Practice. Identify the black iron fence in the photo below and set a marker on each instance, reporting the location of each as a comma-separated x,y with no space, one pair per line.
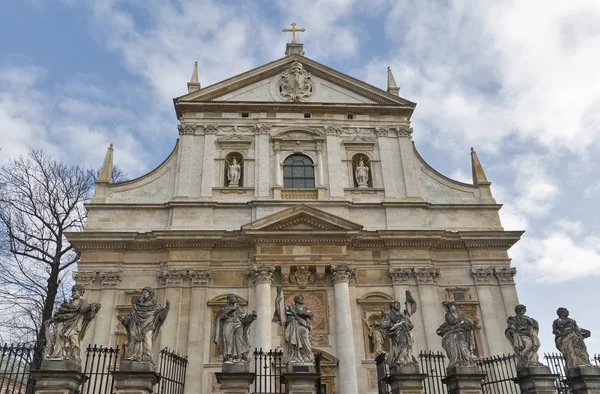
172,368
268,368
99,361
434,365
556,362
15,361
500,373
382,374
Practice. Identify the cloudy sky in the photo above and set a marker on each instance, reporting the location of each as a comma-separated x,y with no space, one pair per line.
518,80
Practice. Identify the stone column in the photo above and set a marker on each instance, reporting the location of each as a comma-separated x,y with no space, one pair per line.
537,380
262,276
387,165
319,163
431,305
277,164
341,275
409,165
105,322
406,380
135,377
464,380
184,160
336,188
58,376
402,280
172,280
208,161
494,327
263,176
505,278
585,380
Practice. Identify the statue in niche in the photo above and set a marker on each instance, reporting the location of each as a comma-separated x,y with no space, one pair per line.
70,323
143,325
377,335
233,173
569,339
399,328
295,323
230,332
458,338
362,174
522,333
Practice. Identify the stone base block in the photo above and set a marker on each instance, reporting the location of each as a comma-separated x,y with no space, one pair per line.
536,380
300,383
57,382
585,380
406,379
463,380
235,382
60,365
135,377
301,367
235,368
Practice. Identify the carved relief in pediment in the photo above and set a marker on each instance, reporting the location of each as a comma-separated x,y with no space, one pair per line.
295,84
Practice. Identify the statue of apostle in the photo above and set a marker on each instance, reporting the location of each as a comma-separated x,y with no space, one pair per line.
522,333
377,335
230,331
457,338
143,325
398,328
233,173
569,339
70,321
295,322
362,174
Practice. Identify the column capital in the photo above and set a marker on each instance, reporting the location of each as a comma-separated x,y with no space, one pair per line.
110,278
481,275
261,273
201,276
426,274
211,129
86,279
342,273
400,275
333,130
261,129
505,275
172,276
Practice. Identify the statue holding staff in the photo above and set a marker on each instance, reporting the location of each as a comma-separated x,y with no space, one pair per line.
399,328
362,174
295,322
233,173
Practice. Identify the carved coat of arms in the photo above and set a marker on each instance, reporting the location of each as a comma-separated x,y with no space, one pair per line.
295,83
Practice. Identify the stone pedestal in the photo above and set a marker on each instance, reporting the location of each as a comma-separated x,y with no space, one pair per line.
585,380
135,377
406,379
58,377
235,379
537,380
301,382
463,380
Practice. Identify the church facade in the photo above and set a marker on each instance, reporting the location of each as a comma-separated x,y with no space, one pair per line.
296,175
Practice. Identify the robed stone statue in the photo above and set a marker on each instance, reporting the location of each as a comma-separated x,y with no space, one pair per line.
569,339
230,331
70,323
362,174
377,335
522,333
399,328
143,325
233,173
457,338
295,322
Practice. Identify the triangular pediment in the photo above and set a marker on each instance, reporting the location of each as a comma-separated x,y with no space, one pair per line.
302,218
325,85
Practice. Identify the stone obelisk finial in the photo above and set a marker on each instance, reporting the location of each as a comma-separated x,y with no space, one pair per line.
194,84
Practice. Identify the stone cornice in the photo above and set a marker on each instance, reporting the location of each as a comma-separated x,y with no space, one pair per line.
342,273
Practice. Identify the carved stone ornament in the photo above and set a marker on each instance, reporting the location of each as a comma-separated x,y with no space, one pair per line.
381,132
261,129
342,273
174,276
85,279
302,277
295,84
481,275
261,274
333,130
211,129
188,128
111,278
319,339
427,274
404,132
200,277
505,275
400,275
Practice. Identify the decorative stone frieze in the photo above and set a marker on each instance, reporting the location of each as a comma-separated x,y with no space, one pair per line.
188,128
400,275
210,129
110,278
481,275
342,273
261,273
86,279
333,130
427,274
295,84
302,277
261,129
505,275
381,132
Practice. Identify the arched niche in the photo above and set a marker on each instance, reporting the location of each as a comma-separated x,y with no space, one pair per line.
230,159
366,161
371,305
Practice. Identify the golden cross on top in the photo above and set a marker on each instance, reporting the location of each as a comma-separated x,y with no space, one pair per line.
293,30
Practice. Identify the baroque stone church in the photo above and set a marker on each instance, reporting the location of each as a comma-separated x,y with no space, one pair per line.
296,175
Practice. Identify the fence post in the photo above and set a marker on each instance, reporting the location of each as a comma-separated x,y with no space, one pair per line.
463,380
406,379
58,376
537,380
584,379
135,377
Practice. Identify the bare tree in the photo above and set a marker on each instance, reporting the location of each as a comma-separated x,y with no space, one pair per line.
41,199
